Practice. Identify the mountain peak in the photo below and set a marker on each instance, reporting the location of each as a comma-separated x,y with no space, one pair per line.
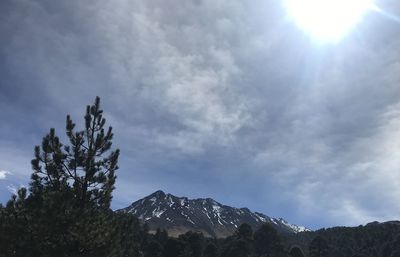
179,214
158,194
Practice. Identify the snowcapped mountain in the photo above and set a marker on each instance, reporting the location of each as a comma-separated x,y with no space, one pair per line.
179,214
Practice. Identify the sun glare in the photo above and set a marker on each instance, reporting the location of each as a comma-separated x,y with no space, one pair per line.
327,20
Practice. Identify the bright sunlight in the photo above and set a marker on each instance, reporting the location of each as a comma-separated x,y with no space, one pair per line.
327,20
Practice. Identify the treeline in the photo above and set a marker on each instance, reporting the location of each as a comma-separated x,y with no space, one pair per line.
372,240
65,211
264,242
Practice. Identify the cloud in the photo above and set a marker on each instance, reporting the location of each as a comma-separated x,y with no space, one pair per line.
4,174
12,189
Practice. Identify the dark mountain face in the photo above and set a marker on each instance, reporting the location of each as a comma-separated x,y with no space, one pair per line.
179,214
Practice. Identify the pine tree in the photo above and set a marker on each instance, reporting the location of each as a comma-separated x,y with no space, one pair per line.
80,167
194,242
245,231
126,237
161,236
237,248
267,242
211,250
73,186
67,212
153,249
173,248
319,247
240,244
15,234
296,252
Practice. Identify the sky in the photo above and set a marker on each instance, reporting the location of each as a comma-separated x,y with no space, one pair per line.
212,98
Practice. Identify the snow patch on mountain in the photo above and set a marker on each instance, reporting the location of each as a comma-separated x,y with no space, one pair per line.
214,219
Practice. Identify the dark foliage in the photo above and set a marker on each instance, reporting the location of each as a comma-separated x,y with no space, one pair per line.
267,242
173,248
66,211
211,250
373,240
296,252
319,247
194,243
237,248
153,249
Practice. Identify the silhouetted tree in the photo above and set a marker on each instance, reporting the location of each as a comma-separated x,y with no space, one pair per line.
237,248
126,236
154,249
296,252
244,231
16,233
318,247
80,167
67,210
173,248
267,242
211,250
161,236
194,243
392,249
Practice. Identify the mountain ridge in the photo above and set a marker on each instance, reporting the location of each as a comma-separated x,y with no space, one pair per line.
178,215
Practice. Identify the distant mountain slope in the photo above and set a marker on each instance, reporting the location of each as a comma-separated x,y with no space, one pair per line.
179,214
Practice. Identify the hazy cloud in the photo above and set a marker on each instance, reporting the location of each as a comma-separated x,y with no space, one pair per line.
12,189
4,174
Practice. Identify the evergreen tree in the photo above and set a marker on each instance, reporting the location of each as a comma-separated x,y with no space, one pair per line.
237,248
211,250
80,167
153,249
267,242
319,247
240,244
161,236
67,210
15,232
127,236
194,243
244,231
173,248
393,248
296,252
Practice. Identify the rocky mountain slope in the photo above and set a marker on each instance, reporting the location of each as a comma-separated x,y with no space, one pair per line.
179,214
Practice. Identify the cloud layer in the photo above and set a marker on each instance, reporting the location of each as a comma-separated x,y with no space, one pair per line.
213,98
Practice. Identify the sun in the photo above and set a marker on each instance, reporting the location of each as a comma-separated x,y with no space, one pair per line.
327,20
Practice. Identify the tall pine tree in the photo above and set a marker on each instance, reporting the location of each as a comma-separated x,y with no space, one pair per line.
81,167
67,210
